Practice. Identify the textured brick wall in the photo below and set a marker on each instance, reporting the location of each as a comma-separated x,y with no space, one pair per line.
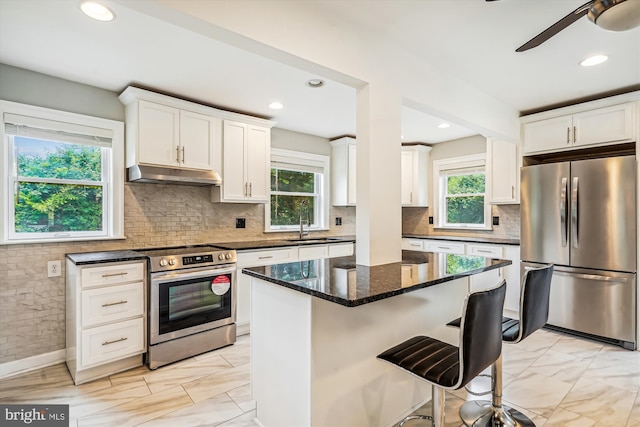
32,306
416,221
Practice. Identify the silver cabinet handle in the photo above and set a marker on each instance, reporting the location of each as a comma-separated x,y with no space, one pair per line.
122,273
109,304
265,257
444,247
250,190
568,135
415,245
575,134
410,196
484,251
574,212
183,154
245,189
178,154
513,191
563,211
115,341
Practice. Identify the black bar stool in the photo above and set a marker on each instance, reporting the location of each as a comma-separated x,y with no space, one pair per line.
534,311
449,367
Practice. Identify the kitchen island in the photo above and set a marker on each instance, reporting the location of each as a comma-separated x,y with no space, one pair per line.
318,325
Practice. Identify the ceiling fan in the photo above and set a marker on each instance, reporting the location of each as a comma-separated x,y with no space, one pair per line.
613,15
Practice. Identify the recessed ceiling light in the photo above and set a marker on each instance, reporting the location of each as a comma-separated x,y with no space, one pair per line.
276,106
97,11
315,83
593,60
444,125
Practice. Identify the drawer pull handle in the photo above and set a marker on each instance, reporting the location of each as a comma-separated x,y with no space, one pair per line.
115,341
123,273
444,247
109,304
266,257
484,251
415,245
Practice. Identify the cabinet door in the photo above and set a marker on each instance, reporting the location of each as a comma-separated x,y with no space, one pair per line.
158,134
547,135
351,191
197,135
503,172
234,185
406,170
604,125
258,163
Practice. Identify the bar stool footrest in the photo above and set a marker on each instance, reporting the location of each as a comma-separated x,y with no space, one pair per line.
415,417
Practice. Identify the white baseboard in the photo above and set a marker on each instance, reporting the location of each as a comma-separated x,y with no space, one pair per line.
15,367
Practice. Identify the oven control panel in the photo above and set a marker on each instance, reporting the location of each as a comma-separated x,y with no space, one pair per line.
197,259
188,257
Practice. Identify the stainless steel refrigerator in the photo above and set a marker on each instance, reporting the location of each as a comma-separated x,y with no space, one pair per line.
581,216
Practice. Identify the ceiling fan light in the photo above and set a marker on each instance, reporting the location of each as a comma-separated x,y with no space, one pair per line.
593,60
615,15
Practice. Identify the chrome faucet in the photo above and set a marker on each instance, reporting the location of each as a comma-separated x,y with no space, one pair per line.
302,231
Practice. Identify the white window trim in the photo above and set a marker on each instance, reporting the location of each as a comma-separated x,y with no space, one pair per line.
115,217
315,160
457,163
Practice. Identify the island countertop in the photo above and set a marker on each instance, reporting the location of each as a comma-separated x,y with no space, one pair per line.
342,281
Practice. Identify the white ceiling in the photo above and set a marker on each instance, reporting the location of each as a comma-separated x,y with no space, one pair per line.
471,39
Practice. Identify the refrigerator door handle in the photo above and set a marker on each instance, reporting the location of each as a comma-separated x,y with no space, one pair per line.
563,211
592,277
574,212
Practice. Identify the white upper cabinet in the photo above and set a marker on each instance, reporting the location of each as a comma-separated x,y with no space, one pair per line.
414,175
589,124
164,131
246,164
343,171
502,172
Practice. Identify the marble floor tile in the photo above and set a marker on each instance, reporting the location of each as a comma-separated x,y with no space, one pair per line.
633,423
605,404
539,341
578,347
137,411
242,397
536,393
635,410
185,372
51,376
560,366
209,412
221,382
244,420
564,418
131,375
515,360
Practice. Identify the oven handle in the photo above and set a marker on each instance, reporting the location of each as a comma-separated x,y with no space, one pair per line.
187,275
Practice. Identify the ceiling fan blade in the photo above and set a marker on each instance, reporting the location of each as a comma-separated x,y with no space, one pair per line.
557,27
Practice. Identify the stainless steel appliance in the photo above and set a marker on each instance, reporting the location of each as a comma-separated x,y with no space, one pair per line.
192,302
581,215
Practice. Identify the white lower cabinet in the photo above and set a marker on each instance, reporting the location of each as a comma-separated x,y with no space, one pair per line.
257,258
105,318
485,280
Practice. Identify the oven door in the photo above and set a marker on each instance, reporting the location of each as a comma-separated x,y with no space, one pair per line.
190,301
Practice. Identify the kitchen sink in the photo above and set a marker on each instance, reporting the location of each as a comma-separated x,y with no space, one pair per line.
316,240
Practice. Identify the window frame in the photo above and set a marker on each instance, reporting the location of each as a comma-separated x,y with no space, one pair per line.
302,159
440,182
113,169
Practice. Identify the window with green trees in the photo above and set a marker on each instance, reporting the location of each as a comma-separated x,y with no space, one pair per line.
65,175
298,179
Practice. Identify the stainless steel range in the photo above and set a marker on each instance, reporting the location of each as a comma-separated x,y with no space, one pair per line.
192,302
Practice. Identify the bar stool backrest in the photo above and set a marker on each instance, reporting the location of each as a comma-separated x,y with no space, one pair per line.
481,331
534,300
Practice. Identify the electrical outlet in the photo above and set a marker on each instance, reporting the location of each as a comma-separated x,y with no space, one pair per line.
496,220
241,222
54,269
338,220
431,220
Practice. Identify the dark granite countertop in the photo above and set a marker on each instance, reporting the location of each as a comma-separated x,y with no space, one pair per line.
106,256
341,281
492,240
267,244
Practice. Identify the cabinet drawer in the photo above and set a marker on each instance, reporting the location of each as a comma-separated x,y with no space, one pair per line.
412,244
274,256
446,247
112,274
345,249
485,251
112,303
313,252
112,342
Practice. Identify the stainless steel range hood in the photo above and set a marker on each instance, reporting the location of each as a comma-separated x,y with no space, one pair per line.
165,175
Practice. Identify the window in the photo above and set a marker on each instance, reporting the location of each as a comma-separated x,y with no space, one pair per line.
297,179
461,201
62,182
